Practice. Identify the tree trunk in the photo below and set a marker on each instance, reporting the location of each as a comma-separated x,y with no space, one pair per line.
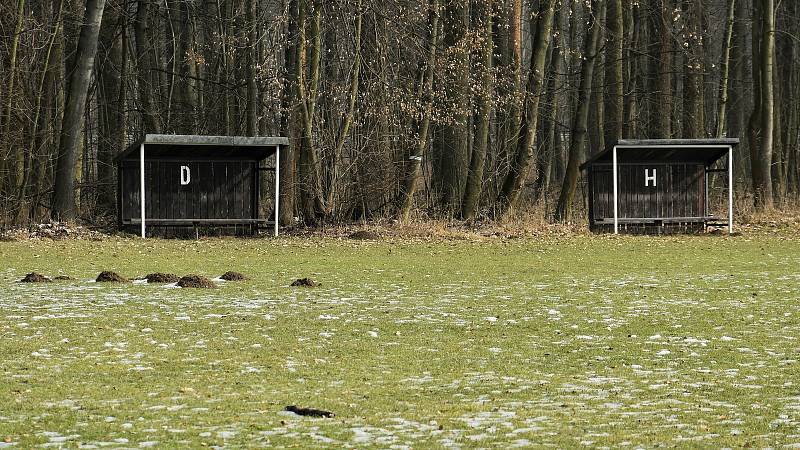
525,153
414,163
224,65
10,176
693,111
767,65
741,96
614,123
636,24
472,193
454,133
791,91
290,117
188,67
761,120
568,101
564,208
724,69
251,119
144,66
31,183
378,163
555,91
596,128
663,111
347,121
111,102
513,120
310,188
64,192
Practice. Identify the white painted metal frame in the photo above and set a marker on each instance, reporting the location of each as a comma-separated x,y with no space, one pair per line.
616,191
141,187
730,189
277,184
143,226
705,185
730,179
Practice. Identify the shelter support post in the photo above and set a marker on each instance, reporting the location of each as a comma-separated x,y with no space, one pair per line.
730,189
141,187
705,198
277,185
616,191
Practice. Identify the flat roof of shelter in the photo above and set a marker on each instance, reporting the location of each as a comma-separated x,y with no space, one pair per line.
185,145
669,150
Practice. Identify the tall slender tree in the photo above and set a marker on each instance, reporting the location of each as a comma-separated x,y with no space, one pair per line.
580,119
727,44
761,126
111,98
614,77
64,192
474,181
663,111
454,134
693,101
413,165
145,70
7,181
525,155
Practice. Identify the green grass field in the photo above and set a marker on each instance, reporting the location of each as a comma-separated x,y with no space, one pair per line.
585,341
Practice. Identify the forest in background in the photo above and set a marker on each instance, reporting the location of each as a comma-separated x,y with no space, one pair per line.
455,109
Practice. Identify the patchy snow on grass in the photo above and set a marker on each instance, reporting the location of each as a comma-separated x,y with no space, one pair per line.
531,345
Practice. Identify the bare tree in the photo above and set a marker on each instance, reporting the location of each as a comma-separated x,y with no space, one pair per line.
64,192
452,140
663,112
580,119
525,152
6,182
614,62
474,181
414,162
761,127
722,108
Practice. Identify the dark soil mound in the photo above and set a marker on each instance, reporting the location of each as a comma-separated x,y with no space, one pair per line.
364,235
305,282
111,277
233,276
310,412
159,277
63,278
195,281
34,277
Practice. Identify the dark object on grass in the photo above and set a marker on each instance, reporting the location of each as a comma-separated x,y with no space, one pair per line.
63,278
34,277
233,276
364,235
159,277
305,282
196,281
107,276
309,412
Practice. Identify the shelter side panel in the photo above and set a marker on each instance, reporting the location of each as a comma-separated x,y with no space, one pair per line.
602,192
648,191
189,190
129,191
